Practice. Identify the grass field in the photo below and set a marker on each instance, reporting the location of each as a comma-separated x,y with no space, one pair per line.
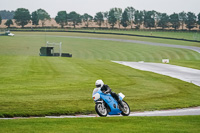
108,50
178,124
31,85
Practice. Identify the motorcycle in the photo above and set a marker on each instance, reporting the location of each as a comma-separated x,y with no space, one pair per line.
106,104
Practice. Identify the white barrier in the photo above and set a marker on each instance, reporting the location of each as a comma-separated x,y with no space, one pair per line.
165,60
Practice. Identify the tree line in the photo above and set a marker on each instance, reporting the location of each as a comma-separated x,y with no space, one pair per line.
129,17
7,14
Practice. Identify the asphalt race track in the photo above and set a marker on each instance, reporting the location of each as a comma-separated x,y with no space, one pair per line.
175,112
182,73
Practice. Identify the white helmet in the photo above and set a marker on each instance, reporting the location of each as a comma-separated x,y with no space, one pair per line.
99,83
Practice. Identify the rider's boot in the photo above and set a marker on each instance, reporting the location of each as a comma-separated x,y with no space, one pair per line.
121,104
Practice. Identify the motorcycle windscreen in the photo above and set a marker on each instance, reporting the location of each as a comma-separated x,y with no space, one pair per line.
121,96
96,96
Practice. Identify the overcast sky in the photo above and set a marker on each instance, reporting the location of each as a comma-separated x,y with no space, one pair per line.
93,6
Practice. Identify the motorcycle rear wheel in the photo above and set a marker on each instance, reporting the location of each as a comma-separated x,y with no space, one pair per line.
126,108
101,110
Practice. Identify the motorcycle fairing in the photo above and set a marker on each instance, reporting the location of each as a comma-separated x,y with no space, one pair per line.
112,103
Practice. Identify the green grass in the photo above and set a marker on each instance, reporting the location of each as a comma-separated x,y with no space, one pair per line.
177,124
31,85
30,43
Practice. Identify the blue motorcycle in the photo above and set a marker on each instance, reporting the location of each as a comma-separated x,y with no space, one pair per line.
106,104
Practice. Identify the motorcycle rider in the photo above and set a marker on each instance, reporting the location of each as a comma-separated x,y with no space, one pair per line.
106,89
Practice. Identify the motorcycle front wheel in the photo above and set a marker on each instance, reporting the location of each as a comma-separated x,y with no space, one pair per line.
126,111
101,109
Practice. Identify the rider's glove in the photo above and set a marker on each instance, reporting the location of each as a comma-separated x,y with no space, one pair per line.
106,92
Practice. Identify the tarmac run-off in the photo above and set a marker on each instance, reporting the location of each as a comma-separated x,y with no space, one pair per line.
174,112
183,73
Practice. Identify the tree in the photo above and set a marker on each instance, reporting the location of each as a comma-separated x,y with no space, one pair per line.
0,19
130,11
22,17
198,22
164,21
43,16
182,18
174,20
105,15
87,18
7,14
149,21
35,18
99,18
61,18
111,18
125,21
75,18
190,20
9,22
157,17
138,18
118,15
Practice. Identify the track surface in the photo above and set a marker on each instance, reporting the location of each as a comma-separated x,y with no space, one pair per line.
175,112
182,73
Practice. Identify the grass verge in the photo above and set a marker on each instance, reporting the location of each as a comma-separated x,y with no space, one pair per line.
176,124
